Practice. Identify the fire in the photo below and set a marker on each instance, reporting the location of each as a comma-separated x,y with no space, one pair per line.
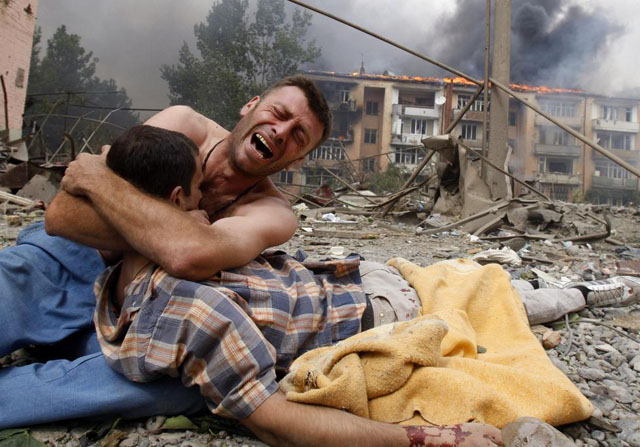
541,89
458,80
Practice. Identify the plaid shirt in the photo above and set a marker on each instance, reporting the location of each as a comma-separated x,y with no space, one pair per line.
229,334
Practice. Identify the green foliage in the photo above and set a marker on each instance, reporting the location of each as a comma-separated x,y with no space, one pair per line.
388,181
18,437
237,58
67,68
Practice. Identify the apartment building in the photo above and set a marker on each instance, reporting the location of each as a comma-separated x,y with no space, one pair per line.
380,120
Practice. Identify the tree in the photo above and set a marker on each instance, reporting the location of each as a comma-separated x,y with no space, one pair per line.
64,79
238,59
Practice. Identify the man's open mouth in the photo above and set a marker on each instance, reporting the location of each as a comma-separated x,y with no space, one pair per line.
261,146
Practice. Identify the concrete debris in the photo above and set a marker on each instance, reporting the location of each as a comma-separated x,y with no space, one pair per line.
504,256
41,187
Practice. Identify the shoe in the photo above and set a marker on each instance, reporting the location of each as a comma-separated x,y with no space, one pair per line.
618,291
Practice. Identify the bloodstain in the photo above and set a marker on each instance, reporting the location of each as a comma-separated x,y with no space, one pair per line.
418,437
461,435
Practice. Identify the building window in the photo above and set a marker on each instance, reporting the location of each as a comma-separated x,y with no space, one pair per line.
426,101
406,156
616,113
286,177
560,193
327,151
609,169
463,100
419,127
560,109
372,108
512,118
371,136
468,132
554,136
369,165
20,78
318,176
560,165
344,95
477,106
615,140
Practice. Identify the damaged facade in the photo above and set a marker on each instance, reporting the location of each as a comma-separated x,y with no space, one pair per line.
380,120
17,23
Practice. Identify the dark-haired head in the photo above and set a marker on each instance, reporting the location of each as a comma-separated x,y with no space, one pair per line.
154,160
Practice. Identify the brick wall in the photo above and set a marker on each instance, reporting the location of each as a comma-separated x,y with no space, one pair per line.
17,23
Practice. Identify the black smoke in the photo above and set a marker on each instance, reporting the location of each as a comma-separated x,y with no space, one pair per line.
553,42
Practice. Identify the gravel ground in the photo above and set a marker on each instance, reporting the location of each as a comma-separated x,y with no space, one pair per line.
600,353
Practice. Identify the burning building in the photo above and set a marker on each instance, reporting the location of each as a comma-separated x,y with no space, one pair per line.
380,120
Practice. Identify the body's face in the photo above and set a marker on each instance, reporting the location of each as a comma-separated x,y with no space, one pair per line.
274,132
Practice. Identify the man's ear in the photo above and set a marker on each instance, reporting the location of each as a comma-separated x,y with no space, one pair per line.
176,196
250,105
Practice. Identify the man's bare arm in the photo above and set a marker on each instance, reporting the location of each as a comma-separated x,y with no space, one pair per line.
284,423
184,246
75,218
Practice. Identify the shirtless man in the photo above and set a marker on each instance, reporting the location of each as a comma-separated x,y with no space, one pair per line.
248,214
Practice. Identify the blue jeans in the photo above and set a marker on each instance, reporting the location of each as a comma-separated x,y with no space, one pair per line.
46,299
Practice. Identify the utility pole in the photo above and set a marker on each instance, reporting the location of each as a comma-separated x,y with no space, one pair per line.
499,114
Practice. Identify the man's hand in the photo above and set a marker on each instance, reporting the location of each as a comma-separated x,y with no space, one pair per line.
83,173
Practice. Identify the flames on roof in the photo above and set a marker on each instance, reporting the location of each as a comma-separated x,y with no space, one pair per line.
457,81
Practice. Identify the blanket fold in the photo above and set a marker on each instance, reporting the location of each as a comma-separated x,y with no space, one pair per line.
470,357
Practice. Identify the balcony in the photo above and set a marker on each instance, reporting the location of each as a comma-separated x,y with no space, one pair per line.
417,111
617,183
556,178
615,125
556,150
624,154
471,115
410,139
571,121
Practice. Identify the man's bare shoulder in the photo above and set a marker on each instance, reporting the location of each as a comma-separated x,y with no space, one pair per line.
203,131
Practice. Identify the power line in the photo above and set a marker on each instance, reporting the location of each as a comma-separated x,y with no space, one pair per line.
120,108
76,93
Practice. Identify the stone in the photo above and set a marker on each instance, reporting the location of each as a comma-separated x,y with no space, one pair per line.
49,433
551,339
132,440
633,440
591,374
604,403
596,434
155,423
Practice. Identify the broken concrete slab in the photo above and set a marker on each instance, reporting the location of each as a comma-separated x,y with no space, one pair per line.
42,187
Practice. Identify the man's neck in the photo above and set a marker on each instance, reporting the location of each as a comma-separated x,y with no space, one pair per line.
222,182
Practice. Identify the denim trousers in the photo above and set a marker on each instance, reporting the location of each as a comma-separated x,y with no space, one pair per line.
47,300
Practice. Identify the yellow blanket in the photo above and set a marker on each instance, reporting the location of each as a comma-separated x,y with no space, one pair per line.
429,371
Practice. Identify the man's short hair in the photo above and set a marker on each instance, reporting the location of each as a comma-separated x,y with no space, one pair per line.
154,160
315,99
